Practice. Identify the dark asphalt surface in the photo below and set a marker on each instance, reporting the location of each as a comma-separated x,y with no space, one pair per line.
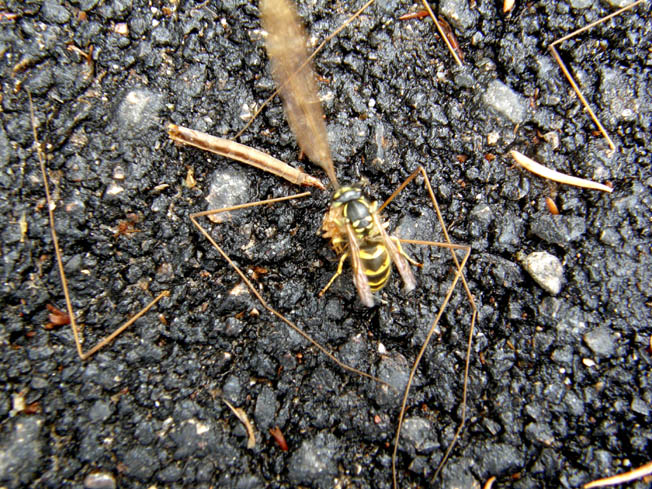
560,385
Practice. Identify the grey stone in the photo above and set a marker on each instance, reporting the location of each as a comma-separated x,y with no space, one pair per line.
639,406
100,480
55,12
100,411
540,433
558,229
505,102
601,342
581,4
141,463
459,14
20,451
315,462
266,406
545,269
417,435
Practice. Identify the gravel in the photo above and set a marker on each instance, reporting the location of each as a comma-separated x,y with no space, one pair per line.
559,389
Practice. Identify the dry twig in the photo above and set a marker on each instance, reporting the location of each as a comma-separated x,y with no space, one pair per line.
538,169
632,475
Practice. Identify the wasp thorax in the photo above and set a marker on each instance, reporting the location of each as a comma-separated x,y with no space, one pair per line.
355,208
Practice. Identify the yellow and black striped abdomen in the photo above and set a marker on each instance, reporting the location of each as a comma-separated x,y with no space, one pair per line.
376,264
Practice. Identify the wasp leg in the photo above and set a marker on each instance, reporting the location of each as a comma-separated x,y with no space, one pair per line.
335,275
397,242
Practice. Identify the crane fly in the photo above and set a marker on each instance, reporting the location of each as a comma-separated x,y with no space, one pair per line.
353,223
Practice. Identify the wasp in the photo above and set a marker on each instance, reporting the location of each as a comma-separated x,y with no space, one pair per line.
355,229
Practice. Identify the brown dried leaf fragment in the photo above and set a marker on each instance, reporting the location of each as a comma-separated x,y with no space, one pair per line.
244,419
277,434
414,15
56,317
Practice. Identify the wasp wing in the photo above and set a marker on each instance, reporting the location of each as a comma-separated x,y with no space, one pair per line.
399,260
286,47
359,277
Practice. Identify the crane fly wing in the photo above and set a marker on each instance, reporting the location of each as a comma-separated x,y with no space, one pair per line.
359,277
398,259
286,47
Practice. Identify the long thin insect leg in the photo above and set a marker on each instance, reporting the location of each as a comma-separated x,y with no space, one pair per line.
422,171
569,77
459,276
62,274
252,289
